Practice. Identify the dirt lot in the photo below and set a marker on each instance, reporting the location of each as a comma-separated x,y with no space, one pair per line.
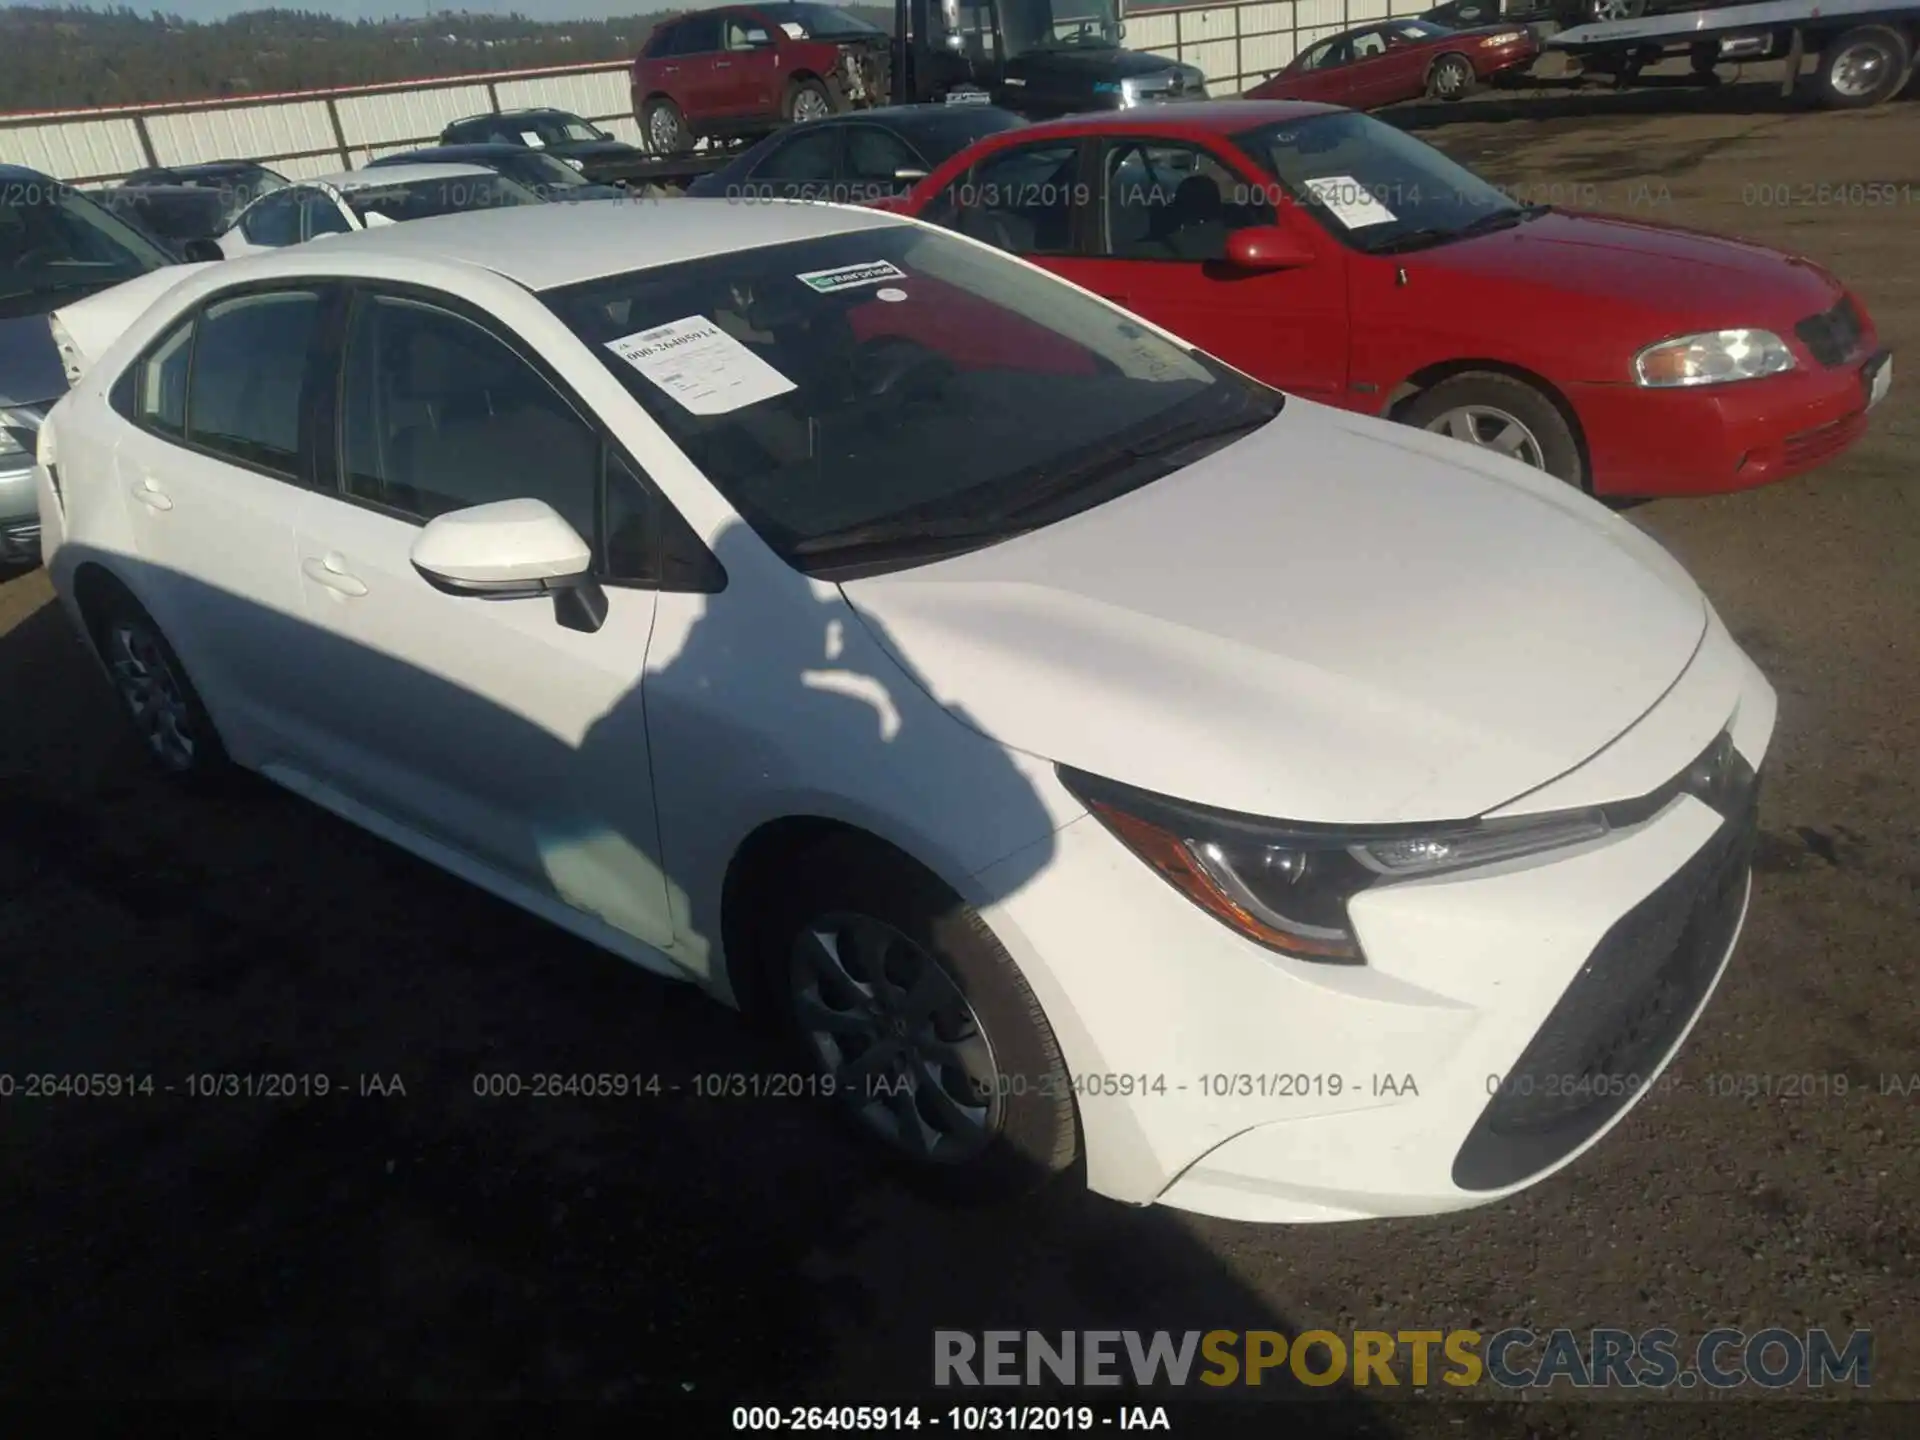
434,1244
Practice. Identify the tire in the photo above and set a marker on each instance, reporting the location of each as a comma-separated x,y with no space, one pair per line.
806,100
854,899
1483,403
664,128
1451,78
1865,66
166,712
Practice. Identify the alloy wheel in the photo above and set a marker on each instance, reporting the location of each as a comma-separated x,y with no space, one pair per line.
903,1046
1858,70
1450,78
153,693
810,105
1491,429
663,129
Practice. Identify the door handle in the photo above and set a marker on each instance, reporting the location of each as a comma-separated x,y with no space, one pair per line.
331,572
723,64
149,493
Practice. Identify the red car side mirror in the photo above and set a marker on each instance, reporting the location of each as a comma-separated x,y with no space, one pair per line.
1267,247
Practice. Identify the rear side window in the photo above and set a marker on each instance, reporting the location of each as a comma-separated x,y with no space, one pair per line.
160,385
249,372
698,35
662,42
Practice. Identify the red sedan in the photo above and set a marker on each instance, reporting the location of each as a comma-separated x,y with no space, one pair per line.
1338,258
1399,60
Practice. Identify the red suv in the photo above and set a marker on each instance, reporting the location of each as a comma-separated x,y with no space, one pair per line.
748,69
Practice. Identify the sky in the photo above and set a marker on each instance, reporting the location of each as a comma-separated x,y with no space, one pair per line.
383,9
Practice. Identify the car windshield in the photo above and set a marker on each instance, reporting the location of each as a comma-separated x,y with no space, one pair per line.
880,398
54,240
1376,188
1030,25
819,22
420,199
563,130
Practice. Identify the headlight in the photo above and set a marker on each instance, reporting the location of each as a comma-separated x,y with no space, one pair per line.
1129,93
1505,37
1715,357
1287,887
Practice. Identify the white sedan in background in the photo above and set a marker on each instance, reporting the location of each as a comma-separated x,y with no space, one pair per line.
364,199
1087,752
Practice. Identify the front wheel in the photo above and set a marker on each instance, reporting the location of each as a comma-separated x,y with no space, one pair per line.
1503,415
1451,78
1866,65
937,1050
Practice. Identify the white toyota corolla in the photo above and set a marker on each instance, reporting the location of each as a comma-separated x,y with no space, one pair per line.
1093,756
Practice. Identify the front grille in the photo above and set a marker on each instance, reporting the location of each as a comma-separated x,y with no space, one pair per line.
1621,1015
1832,335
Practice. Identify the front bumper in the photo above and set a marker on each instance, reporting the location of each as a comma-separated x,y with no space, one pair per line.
1721,438
1217,1077
19,518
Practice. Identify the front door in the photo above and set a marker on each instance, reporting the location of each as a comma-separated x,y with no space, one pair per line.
1163,213
484,725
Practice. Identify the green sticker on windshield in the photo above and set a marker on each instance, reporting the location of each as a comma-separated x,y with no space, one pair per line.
851,277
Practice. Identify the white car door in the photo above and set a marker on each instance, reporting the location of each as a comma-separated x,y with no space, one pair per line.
482,724
212,467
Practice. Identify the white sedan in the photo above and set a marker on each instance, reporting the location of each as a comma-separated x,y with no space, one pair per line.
366,199
1089,753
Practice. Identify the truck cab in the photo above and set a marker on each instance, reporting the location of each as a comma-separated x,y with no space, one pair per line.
1038,58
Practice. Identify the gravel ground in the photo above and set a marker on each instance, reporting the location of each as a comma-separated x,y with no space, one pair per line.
427,1243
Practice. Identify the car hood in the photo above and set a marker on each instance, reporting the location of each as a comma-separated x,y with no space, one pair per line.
1333,620
1683,274
30,369
1089,63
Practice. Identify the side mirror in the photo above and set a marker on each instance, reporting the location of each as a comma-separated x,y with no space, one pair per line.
513,550
1267,247
908,175
198,252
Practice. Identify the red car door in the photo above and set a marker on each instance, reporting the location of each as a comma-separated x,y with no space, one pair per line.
749,67
1161,211
1319,75
1403,69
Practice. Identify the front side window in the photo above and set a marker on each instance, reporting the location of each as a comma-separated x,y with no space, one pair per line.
1174,202
320,215
804,161
1375,188
1023,199
746,33
1368,45
876,157
275,221
438,414
559,129
1325,56
249,374
878,397
53,240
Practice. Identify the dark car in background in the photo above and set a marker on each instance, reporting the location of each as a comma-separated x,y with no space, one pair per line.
543,173
175,216
578,144
241,182
747,69
856,158
56,246
1395,60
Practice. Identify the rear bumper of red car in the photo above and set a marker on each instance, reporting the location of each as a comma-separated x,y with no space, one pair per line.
1721,438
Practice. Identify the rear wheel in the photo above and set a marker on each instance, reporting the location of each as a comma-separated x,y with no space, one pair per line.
1451,78
1866,65
166,711
939,1053
666,128
807,100
1506,416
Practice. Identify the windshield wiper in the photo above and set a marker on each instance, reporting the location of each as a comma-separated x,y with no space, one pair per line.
898,529
1485,225
1123,462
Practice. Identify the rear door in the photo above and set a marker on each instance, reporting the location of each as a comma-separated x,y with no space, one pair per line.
698,84
213,466
804,165
1165,210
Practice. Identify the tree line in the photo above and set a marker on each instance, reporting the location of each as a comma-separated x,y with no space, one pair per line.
70,58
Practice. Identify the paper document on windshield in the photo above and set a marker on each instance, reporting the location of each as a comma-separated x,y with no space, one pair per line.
1350,202
794,32
532,137
701,366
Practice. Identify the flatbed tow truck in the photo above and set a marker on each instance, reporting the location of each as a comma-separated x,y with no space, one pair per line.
1864,49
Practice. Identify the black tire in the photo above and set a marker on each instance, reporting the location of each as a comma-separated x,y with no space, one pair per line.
809,96
1865,66
1551,435
1704,58
664,128
127,639
1031,1132
1451,78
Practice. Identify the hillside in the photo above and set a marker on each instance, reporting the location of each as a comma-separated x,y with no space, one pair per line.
60,58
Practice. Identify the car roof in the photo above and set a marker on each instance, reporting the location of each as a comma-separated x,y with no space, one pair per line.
440,154
1184,117
20,172
544,247
348,180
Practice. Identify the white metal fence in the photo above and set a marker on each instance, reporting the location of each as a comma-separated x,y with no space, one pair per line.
313,132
